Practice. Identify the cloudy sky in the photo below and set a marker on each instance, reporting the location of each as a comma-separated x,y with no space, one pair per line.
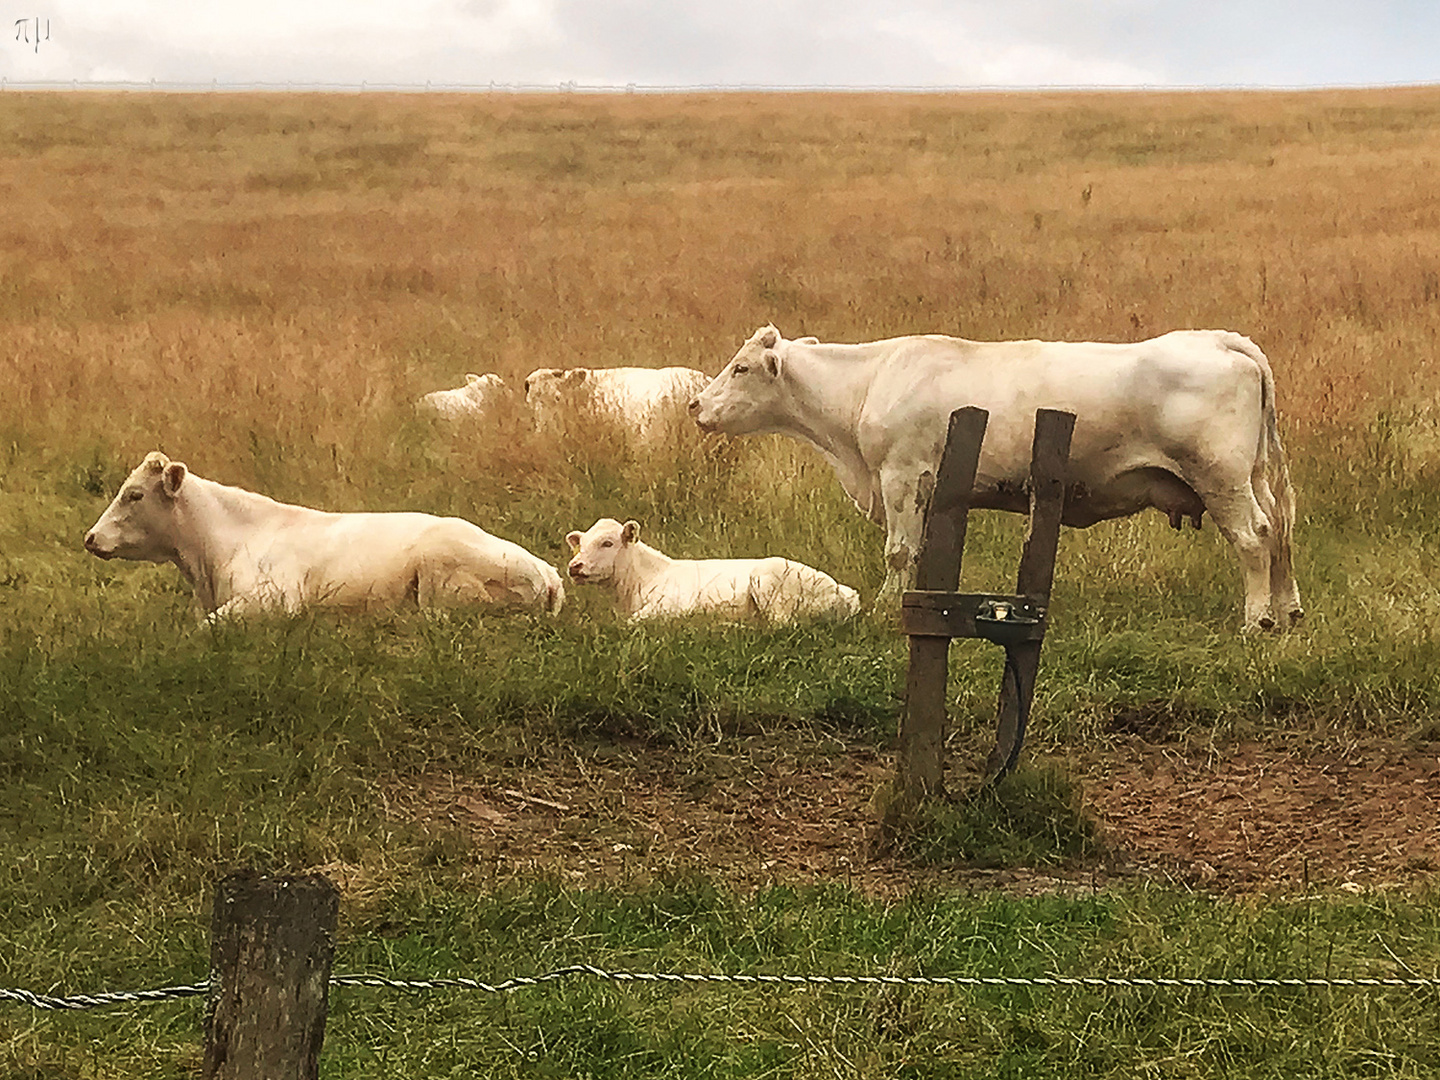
918,43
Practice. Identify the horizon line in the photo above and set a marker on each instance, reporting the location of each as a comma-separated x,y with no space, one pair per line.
574,87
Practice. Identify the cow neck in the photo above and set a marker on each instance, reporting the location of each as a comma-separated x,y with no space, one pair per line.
213,519
644,564
828,385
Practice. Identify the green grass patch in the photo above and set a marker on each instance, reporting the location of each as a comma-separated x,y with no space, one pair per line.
1031,817
425,927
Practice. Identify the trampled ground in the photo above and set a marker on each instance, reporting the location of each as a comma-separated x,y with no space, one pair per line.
1247,817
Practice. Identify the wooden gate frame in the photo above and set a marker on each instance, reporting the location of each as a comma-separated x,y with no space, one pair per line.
933,612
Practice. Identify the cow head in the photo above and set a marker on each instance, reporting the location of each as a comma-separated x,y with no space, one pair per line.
541,379
598,548
744,398
482,389
549,382
139,523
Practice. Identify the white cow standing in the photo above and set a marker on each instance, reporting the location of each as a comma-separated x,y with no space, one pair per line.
649,584
641,399
244,552
478,397
1184,423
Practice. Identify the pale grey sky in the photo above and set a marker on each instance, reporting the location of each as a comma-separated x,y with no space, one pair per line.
728,42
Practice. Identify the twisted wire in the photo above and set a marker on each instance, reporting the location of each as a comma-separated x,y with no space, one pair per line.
518,982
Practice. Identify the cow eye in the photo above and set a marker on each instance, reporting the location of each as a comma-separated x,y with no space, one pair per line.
134,495
607,543
741,369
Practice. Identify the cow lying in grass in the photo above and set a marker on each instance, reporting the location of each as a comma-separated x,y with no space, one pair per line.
244,552
650,585
641,400
480,395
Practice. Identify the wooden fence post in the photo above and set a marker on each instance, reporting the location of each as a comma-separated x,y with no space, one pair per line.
1048,460
272,941
937,568
933,612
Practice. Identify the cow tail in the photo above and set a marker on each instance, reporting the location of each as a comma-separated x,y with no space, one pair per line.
1275,458
1271,463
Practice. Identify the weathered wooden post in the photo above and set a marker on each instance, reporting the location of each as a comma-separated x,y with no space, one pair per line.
937,570
933,613
1048,458
272,942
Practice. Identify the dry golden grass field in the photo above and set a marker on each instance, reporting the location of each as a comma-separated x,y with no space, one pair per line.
202,272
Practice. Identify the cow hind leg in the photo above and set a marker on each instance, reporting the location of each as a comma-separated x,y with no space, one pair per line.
1284,592
1243,522
443,584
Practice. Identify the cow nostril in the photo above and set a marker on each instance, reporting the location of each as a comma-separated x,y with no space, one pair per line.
694,406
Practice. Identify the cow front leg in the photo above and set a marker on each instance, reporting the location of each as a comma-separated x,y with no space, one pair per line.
244,604
906,501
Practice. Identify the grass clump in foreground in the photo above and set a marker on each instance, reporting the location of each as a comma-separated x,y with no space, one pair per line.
427,925
1031,817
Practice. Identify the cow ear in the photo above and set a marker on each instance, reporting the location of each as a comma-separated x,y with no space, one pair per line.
573,539
472,378
769,337
772,364
630,531
172,477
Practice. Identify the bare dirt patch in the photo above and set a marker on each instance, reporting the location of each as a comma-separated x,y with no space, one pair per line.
1251,816
1262,815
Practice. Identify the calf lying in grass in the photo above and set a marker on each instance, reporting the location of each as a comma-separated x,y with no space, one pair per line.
244,552
649,584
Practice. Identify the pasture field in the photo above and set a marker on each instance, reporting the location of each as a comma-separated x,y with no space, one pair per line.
261,285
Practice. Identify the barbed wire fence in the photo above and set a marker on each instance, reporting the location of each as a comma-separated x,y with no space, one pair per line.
272,949
76,1002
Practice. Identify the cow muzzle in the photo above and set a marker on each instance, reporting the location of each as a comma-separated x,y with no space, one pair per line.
92,545
704,424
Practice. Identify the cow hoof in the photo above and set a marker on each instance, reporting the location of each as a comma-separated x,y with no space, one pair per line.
1296,616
